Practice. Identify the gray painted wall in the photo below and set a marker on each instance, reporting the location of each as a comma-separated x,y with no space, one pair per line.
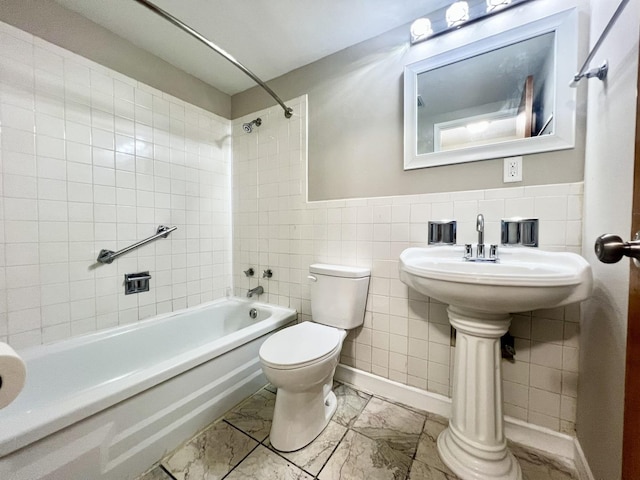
356,122
56,24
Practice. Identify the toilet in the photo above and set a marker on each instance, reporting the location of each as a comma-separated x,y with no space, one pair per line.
301,360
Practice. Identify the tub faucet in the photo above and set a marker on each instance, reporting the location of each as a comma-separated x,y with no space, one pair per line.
480,230
255,291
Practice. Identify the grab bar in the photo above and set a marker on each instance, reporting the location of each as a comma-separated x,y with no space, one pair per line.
600,72
288,111
108,256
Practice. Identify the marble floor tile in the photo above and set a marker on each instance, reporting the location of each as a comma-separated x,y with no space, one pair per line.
350,404
312,457
254,415
422,471
368,439
210,455
399,427
537,465
358,457
264,464
427,451
156,474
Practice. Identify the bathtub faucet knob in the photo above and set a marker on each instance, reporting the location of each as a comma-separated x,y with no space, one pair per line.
249,272
255,291
267,273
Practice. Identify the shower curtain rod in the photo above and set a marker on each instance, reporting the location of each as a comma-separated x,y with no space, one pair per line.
288,111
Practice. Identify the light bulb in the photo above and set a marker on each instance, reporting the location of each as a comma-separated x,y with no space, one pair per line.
420,29
457,14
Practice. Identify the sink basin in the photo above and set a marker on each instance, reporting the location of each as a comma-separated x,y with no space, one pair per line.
522,279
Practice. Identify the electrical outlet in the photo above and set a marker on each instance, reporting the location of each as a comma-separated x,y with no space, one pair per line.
512,169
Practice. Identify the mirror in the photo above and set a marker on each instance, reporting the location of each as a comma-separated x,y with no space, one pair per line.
503,95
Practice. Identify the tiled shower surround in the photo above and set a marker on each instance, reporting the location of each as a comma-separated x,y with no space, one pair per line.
92,159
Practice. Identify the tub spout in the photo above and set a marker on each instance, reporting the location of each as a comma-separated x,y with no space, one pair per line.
255,291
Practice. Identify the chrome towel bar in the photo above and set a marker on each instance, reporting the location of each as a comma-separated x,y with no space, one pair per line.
601,71
108,256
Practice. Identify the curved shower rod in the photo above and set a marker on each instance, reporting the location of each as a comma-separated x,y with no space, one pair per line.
288,111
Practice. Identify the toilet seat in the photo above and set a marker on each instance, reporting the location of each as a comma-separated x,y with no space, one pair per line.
301,345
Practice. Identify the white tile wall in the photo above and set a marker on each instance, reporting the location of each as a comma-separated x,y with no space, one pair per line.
405,336
91,159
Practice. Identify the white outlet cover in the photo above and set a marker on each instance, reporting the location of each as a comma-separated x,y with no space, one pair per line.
512,169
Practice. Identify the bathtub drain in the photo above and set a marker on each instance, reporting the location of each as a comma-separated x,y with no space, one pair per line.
253,313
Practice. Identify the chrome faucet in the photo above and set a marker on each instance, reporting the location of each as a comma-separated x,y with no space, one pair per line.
255,291
480,230
480,252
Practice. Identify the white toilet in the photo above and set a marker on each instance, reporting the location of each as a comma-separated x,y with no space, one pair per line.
301,360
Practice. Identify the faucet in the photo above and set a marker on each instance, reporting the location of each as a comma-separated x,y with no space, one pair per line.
480,230
255,291
480,254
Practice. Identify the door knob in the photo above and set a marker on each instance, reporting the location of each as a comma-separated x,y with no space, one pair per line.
610,248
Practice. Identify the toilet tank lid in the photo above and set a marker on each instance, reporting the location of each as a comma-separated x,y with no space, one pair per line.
339,270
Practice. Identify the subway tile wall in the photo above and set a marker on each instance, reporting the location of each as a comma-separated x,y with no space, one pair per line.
91,159
405,336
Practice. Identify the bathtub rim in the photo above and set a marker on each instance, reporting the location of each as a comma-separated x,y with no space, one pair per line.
27,427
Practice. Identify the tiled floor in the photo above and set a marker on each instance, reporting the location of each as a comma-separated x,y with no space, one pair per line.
368,438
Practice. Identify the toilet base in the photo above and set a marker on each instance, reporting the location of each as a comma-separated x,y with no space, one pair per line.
299,417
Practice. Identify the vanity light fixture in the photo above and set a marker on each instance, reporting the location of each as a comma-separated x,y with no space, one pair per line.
420,29
496,4
456,15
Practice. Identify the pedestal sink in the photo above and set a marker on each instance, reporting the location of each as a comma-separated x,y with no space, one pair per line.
481,296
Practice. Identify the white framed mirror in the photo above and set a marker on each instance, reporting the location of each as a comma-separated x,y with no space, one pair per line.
499,96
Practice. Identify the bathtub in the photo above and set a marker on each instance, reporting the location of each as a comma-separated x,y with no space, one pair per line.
110,404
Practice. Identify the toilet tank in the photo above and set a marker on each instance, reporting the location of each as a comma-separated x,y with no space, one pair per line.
338,294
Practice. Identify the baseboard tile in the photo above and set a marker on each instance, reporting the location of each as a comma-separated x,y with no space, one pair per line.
524,433
398,392
540,438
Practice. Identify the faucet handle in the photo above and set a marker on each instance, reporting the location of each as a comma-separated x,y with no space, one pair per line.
493,251
249,272
268,273
467,251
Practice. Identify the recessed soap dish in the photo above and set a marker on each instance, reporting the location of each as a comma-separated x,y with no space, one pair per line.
519,231
442,232
136,282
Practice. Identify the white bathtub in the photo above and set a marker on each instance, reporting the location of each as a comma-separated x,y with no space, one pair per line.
110,404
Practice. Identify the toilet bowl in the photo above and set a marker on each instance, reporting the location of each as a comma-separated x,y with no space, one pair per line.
301,360
304,402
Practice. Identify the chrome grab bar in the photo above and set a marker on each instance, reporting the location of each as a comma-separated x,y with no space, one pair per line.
108,256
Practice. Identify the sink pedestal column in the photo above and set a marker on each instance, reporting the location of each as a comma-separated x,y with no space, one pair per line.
474,445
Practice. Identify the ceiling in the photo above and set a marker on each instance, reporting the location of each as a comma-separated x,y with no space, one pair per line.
270,37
